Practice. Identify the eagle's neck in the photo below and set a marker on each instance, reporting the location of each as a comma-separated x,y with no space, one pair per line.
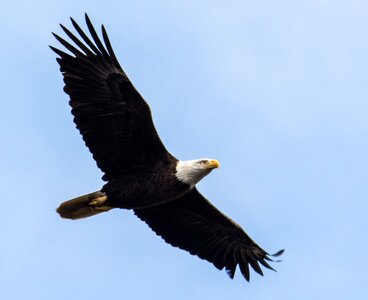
188,172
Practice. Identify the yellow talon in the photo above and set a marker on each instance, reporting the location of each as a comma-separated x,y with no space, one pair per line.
99,201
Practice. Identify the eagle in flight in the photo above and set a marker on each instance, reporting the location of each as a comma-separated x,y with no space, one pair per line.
116,125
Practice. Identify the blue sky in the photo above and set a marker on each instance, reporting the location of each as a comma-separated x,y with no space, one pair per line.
277,91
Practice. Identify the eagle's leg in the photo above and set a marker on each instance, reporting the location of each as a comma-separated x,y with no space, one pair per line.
99,203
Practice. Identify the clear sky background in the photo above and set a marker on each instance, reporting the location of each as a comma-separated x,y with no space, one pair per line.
275,90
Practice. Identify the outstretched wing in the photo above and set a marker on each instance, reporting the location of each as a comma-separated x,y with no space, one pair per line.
113,118
193,224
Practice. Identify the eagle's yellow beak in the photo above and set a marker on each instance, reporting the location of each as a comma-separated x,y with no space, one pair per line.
213,164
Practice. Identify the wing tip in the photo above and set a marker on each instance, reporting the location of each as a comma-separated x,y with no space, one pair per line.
278,253
230,272
88,20
72,20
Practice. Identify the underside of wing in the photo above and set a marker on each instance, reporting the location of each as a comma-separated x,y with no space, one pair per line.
113,118
193,224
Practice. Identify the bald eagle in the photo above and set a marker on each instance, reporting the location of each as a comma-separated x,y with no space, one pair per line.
141,175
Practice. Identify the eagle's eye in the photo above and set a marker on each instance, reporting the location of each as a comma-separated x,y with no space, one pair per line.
203,162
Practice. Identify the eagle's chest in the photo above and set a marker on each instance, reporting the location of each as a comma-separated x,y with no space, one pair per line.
145,189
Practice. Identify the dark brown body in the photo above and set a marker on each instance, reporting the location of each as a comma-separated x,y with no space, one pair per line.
145,188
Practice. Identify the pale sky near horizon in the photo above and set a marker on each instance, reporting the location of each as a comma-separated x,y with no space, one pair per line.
276,91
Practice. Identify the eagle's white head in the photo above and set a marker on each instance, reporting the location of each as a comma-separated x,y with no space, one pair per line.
192,171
